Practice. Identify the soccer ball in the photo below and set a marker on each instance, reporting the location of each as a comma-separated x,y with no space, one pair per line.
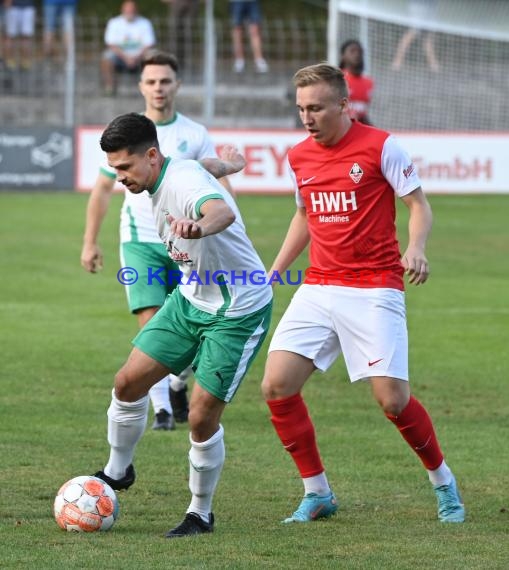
85,504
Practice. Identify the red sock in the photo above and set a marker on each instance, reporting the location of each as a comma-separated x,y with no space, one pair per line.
295,430
416,427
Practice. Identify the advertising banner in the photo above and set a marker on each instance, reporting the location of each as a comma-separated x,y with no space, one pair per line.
447,163
36,158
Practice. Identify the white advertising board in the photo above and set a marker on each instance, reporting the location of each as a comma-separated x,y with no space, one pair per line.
447,163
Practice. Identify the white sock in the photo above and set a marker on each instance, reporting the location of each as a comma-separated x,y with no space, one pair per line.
317,484
440,476
176,383
126,424
160,395
179,382
205,464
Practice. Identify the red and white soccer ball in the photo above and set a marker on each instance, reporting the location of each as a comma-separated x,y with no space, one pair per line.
85,504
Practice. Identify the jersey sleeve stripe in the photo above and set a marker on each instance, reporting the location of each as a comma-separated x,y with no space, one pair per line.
204,199
107,173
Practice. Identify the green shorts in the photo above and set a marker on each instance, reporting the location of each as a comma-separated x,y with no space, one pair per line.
151,287
220,349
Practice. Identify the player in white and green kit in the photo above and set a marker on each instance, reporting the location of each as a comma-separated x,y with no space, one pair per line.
216,319
141,247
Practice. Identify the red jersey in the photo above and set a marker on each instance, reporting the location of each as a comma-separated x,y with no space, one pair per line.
348,192
360,88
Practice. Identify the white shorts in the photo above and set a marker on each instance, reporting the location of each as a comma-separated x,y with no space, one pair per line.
20,21
368,326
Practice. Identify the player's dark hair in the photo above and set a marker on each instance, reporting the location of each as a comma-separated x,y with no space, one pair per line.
359,68
158,57
132,132
322,73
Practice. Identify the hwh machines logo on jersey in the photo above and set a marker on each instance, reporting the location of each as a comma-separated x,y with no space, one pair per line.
333,201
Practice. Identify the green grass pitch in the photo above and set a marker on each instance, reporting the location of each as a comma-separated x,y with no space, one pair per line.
64,333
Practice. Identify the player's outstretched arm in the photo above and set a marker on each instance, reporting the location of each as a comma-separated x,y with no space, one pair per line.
229,153
230,162
228,187
294,243
419,226
216,217
98,203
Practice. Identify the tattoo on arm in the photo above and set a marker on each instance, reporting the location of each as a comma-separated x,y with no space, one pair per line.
231,163
215,166
221,170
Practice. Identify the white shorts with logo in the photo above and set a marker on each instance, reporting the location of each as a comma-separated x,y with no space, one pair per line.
367,326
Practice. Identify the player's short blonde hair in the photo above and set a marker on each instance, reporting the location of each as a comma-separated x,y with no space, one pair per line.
322,73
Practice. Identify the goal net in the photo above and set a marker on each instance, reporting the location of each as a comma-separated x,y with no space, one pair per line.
438,65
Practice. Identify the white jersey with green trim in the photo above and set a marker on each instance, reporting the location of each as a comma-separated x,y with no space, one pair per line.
180,138
221,273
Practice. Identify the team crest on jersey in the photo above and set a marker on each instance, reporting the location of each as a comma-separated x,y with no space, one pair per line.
356,173
183,146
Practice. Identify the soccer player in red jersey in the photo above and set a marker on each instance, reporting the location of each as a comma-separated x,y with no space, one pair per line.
346,175
360,86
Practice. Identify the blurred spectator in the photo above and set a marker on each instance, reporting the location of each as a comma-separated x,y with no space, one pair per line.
58,13
127,37
420,11
247,11
19,33
360,86
183,13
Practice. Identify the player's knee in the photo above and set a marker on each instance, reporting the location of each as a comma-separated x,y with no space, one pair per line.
123,388
202,426
393,404
266,388
274,386
195,420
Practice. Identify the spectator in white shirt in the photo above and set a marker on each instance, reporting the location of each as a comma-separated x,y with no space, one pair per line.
127,37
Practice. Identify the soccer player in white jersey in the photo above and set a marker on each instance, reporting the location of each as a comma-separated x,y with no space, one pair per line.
216,319
140,246
346,176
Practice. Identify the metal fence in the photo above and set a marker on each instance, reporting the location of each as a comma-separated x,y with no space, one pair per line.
468,94
36,96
